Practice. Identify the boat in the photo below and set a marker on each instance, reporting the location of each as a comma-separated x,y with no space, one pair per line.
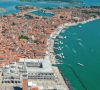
74,51
81,44
80,26
79,39
61,42
63,31
65,37
56,43
80,64
63,57
66,46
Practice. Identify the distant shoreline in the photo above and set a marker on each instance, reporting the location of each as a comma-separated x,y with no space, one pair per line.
55,29
2,10
70,1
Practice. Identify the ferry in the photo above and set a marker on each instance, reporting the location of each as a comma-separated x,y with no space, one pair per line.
80,64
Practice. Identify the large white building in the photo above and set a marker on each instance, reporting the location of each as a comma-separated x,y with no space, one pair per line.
36,69
34,73
37,72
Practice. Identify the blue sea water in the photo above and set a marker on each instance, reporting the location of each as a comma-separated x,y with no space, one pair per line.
91,2
10,4
44,14
82,45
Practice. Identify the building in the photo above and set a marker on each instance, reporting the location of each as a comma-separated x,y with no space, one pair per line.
35,74
36,69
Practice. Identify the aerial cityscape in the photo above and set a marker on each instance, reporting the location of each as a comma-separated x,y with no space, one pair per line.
49,44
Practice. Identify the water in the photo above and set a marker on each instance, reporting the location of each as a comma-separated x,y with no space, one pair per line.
17,88
91,2
86,53
82,45
41,13
9,5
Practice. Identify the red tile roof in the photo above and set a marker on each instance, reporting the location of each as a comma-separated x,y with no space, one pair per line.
25,84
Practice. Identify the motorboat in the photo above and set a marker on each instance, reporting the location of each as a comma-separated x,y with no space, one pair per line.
80,64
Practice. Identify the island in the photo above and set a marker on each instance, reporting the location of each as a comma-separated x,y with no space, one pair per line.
2,10
27,45
25,7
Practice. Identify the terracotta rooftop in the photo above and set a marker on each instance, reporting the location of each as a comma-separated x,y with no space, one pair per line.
25,84
35,88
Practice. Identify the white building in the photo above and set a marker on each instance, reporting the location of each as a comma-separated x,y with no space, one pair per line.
37,72
36,69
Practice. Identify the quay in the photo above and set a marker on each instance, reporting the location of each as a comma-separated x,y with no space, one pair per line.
66,80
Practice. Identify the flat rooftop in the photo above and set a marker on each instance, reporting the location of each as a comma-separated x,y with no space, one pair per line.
37,65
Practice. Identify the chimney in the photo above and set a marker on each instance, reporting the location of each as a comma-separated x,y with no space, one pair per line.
25,84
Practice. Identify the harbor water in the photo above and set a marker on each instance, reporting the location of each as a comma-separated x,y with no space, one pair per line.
43,13
9,5
81,50
80,46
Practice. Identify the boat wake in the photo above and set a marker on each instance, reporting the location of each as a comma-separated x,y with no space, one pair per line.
79,39
74,51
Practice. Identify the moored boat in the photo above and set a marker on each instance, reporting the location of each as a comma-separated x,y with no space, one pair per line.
80,64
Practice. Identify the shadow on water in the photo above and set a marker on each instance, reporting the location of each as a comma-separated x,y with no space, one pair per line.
77,76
